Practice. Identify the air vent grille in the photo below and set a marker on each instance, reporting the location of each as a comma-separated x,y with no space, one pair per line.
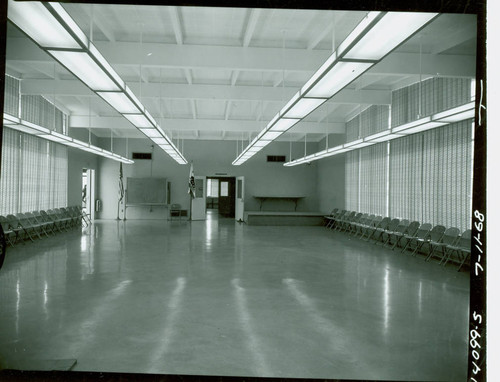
276,158
147,156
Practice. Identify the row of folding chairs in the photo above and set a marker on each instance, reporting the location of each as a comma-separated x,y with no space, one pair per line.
446,244
29,226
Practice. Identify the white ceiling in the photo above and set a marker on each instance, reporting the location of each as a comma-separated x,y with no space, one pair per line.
223,73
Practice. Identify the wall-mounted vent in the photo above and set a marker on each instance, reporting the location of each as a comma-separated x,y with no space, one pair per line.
147,156
276,158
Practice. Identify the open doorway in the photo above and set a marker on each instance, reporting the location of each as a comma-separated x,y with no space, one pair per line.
88,177
221,195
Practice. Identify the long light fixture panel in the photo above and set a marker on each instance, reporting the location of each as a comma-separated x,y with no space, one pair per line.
303,107
86,69
40,25
120,102
387,34
339,76
52,28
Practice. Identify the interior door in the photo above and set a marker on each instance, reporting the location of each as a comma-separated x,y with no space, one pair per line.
199,203
240,198
227,196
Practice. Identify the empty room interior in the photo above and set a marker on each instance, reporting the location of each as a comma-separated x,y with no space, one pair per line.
249,192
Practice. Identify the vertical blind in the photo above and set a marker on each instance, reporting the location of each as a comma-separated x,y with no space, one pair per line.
33,175
428,97
370,121
36,109
373,179
427,176
11,96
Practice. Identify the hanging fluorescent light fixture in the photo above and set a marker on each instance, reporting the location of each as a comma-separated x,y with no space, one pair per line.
378,34
52,28
456,114
50,135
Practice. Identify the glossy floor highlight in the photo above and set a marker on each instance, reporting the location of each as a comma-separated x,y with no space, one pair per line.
217,297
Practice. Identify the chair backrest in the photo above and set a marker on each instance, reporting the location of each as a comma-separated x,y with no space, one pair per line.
402,226
357,217
437,232
465,240
334,211
376,221
350,216
4,223
450,236
175,207
423,230
369,220
361,218
413,228
393,224
14,221
384,223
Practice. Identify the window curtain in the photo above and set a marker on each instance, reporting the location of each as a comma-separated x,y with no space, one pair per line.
430,176
373,179
352,180
11,96
33,175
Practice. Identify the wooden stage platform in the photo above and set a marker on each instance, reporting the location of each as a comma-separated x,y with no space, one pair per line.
290,218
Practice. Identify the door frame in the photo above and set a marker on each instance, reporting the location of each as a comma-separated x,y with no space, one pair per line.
199,203
239,203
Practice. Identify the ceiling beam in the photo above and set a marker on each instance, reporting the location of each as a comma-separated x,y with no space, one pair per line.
193,108
249,58
250,29
203,125
176,24
229,104
96,20
319,37
189,76
203,92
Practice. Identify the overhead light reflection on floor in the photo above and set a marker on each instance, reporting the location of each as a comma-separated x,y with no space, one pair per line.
174,308
252,342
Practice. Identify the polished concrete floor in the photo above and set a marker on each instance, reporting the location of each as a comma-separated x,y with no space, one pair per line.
217,297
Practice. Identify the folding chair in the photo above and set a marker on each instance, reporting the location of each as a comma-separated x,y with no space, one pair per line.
362,224
385,225
392,231
378,227
45,226
449,237
10,234
49,222
420,234
333,219
353,226
85,217
410,232
462,248
370,226
435,235
65,219
58,224
327,217
344,221
37,227
16,224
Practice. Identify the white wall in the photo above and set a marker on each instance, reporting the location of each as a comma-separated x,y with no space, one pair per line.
209,158
331,179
